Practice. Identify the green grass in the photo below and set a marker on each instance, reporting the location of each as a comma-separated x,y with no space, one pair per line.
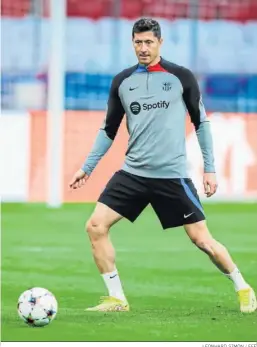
175,292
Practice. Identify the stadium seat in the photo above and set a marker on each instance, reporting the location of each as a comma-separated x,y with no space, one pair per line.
236,10
131,9
15,8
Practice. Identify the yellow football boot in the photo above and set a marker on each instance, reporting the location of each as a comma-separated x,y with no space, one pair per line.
247,299
110,304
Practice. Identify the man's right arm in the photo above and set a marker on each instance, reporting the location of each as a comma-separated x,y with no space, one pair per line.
108,131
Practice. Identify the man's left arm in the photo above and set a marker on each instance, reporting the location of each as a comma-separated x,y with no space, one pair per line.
195,107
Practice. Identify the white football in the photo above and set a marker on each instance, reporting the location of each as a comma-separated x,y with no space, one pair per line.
37,307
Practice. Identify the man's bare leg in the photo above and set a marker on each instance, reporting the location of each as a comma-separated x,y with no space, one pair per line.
103,251
201,237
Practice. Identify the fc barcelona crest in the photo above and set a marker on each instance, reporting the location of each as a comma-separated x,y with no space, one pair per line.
167,86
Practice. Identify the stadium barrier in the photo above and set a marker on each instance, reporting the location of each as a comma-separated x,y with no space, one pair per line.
23,149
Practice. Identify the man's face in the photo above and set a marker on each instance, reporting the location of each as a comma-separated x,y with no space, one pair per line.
147,47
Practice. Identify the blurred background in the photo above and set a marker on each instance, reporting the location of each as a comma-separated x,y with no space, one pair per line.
216,39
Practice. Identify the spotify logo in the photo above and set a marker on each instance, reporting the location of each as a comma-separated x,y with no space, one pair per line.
135,107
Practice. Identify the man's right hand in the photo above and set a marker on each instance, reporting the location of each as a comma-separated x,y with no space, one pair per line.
78,179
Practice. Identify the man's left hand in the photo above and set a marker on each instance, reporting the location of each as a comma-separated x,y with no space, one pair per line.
210,183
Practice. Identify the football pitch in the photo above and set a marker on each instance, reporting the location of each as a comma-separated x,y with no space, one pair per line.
175,292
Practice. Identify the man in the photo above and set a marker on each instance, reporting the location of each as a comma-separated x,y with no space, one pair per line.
155,95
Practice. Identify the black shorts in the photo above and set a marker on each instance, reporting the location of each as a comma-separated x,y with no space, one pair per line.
175,201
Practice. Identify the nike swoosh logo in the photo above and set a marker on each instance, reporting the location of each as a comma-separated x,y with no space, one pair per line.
188,215
113,276
132,88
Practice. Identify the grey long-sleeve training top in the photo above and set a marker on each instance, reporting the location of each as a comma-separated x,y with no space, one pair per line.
156,100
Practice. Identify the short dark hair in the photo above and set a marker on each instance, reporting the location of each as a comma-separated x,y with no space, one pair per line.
147,24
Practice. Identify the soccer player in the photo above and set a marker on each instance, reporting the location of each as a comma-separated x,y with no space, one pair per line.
155,95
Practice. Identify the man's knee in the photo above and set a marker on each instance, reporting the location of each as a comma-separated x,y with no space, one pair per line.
204,244
201,237
95,229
